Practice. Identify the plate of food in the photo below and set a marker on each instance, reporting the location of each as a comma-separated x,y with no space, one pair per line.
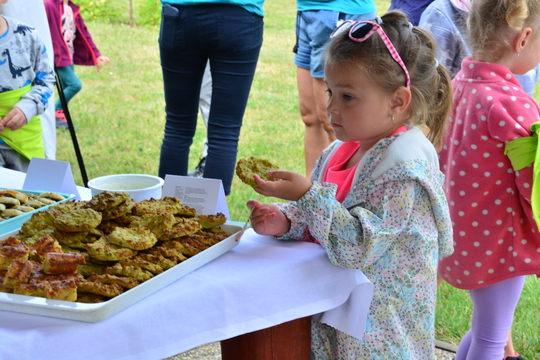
17,206
87,260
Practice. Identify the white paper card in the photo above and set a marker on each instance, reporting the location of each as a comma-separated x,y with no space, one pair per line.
50,175
204,195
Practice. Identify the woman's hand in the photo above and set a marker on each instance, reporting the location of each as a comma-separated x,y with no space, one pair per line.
267,219
291,187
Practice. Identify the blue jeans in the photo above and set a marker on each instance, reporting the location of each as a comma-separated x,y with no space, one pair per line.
231,38
71,84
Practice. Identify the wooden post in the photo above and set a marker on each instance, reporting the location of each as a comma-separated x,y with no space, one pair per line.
288,341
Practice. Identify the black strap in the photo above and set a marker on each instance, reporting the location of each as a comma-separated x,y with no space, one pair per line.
71,129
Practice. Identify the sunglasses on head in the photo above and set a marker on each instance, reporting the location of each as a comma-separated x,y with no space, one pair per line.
359,31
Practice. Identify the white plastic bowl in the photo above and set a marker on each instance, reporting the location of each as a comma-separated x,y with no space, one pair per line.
139,186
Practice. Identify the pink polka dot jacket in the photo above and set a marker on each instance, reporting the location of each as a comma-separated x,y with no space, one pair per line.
495,235
394,225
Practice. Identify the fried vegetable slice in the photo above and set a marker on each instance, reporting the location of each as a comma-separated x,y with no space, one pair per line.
130,271
105,251
137,238
182,227
118,210
157,223
107,200
210,221
78,220
246,168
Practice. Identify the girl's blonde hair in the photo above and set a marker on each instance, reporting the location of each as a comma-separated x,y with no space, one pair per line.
431,90
493,24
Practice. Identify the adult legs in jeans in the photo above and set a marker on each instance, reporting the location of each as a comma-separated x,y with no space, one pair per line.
71,84
230,37
493,313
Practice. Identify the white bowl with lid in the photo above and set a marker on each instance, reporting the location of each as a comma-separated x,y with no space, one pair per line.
139,186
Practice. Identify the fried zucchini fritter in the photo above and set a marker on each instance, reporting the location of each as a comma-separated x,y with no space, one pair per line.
210,221
137,238
157,259
168,204
182,227
125,282
118,210
143,264
129,271
69,238
105,251
246,168
107,200
90,298
39,221
99,288
157,222
78,220
91,268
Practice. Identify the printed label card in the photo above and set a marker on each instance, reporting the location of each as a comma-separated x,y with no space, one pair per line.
50,175
204,195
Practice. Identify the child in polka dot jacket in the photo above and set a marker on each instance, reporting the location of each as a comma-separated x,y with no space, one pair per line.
375,200
496,239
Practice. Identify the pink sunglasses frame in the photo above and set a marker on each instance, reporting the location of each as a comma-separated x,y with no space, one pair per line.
355,25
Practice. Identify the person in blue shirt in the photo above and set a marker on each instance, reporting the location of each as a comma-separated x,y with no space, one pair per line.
412,8
229,35
315,21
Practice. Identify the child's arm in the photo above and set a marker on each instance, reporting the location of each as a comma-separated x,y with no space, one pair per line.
368,230
267,219
36,100
291,187
14,119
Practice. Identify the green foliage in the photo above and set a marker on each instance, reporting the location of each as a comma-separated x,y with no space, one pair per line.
100,10
136,12
149,12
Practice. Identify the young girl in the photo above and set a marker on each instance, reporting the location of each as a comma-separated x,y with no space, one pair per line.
375,202
26,84
496,238
73,45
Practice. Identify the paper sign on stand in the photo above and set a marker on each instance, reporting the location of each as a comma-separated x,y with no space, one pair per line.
204,195
50,175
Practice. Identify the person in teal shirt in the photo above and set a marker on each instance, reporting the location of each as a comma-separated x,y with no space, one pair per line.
228,34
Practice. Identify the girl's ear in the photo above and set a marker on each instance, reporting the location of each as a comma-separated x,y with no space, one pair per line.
521,40
401,99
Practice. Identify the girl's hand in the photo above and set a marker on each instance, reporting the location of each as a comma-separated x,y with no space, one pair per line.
267,219
291,187
15,119
102,60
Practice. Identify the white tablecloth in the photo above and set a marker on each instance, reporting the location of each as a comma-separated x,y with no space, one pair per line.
260,283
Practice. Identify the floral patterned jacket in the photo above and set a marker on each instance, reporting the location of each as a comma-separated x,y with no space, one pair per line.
394,226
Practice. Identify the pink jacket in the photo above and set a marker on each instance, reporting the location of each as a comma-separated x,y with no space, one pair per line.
86,52
495,235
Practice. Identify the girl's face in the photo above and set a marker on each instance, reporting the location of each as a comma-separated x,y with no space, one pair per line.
357,109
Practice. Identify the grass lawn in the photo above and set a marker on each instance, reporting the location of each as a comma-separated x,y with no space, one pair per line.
119,119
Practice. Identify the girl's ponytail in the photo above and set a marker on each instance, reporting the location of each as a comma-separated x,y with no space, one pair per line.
441,108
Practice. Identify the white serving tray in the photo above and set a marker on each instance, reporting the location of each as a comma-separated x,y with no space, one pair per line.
100,311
